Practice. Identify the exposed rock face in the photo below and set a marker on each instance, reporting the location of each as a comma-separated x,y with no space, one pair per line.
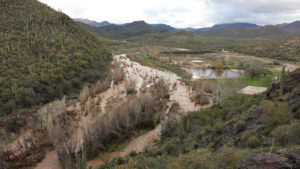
293,157
292,82
264,161
288,160
31,159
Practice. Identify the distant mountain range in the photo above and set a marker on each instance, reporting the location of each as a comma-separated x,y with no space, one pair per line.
227,30
222,27
92,23
164,26
268,31
124,31
291,27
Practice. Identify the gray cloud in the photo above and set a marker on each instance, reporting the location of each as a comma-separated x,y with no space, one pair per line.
182,13
255,11
165,15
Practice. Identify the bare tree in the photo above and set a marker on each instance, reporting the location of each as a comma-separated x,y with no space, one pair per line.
224,89
162,87
118,73
201,99
154,53
84,94
65,148
1,157
130,86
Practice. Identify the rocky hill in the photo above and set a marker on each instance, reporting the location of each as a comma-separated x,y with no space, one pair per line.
44,55
124,31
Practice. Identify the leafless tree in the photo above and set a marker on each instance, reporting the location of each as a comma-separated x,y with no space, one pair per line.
1,157
224,89
118,73
162,87
84,94
65,148
130,86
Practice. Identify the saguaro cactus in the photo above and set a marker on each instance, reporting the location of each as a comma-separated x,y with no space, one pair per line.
184,123
282,81
81,158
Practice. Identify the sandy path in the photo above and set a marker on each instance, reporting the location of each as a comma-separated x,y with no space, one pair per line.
50,161
136,145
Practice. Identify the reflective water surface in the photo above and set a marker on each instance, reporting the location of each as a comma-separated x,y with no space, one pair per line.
199,73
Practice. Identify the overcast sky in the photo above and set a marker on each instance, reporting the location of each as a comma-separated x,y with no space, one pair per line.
182,13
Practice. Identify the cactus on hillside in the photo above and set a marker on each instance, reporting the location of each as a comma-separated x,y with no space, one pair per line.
282,81
184,123
81,158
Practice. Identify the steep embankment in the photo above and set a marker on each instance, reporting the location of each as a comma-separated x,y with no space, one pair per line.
145,77
44,55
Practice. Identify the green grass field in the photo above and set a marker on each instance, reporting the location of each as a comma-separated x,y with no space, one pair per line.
262,81
148,59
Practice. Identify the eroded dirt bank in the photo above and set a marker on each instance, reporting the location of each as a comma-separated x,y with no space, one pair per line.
145,77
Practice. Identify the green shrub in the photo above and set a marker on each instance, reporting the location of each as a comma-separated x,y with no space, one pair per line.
219,127
118,161
132,153
250,139
227,158
200,159
202,99
239,126
152,151
169,147
287,134
253,72
275,114
9,107
246,135
253,142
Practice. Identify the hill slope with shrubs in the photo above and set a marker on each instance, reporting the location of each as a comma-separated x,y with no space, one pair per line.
243,132
125,31
44,55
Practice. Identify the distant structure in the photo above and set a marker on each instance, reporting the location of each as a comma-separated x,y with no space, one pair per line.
224,51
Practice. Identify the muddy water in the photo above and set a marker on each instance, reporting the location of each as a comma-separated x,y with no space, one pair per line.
199,73
145,77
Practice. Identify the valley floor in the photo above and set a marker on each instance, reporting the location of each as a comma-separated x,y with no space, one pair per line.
104,102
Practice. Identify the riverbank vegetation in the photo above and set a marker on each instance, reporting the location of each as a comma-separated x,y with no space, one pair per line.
229,135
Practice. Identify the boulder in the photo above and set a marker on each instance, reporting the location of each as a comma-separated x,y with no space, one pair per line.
264,161
293,157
